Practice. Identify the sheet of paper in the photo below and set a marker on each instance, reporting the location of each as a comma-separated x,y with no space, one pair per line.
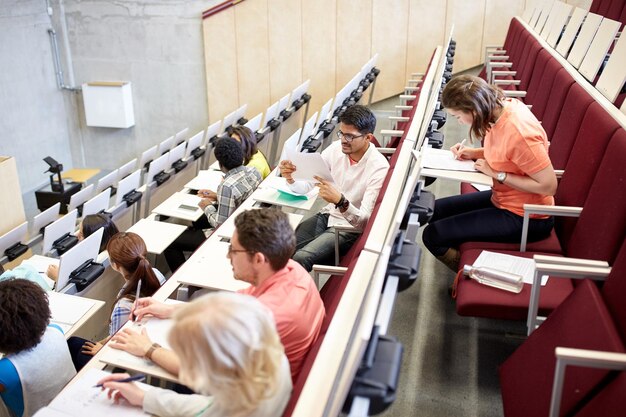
444,159
158,331
509,263
206,180
309,165
81,398
481,187
68,309
41,263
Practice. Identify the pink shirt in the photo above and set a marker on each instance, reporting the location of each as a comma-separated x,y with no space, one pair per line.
298,310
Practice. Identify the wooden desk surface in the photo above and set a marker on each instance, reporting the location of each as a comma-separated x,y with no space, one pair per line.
80,174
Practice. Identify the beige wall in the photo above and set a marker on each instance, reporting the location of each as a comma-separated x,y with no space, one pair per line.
259,50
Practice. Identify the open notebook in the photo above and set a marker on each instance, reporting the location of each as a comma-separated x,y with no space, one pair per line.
81,398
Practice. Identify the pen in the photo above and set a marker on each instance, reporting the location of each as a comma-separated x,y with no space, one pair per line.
136,298
136,378
460,147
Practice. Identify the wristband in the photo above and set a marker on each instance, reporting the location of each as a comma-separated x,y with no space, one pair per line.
340,202
151,350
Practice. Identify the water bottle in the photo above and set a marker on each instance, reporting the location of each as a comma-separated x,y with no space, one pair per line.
503,280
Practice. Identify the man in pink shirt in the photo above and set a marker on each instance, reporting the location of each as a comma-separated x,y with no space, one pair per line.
259,252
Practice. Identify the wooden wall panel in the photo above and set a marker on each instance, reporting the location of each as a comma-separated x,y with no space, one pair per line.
285,47
252,55
220,57
467,16
389,39
498,15
319,49
354,38
425,32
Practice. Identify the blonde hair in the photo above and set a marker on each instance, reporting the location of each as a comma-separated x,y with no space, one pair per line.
228,348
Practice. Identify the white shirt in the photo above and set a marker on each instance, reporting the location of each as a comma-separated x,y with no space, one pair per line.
360,183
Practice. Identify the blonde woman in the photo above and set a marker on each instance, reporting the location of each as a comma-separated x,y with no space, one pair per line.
230,354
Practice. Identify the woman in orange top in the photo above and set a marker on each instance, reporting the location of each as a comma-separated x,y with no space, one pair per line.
514,154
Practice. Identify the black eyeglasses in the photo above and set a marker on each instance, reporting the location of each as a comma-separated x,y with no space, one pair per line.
231,250
347,136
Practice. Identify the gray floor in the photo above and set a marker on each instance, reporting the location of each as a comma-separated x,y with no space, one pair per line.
450,362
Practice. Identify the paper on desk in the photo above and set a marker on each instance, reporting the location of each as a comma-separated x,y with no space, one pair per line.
509,263
444,159
80,398
41,264
68,309
158,331
481,187
206,180
308,165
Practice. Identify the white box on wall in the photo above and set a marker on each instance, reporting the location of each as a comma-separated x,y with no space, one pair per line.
108,104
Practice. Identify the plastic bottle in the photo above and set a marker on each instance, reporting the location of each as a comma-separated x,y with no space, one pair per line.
495,278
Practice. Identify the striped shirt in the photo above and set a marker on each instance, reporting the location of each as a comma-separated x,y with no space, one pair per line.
238,184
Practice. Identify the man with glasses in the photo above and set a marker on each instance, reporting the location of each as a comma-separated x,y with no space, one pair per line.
358,171
259,252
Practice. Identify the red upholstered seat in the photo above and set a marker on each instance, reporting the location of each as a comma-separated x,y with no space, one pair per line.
477,300
581,321
598,234
614,9
560,87
532,89
588,319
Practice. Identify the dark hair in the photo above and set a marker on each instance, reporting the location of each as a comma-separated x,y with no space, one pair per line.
128,250
247,142
25,315
229,153
360,117
267,231
93,222
474,95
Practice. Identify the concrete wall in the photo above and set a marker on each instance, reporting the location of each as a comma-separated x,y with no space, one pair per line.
155,44
33,116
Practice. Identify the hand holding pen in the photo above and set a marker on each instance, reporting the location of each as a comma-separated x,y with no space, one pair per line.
119,388
137,295
457,150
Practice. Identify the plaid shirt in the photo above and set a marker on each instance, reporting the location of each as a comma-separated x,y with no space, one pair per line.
238,184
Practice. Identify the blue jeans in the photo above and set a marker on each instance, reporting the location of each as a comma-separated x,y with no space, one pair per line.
473,218
315,242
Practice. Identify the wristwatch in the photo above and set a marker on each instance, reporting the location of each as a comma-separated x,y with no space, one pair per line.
151,350
343,203
501,177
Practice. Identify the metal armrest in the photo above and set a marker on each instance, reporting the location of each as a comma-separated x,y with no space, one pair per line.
326,269
506,82
512,93
387,132
400,107
407,97
399,118
496,73
546,211
417,74
342,228
497,57
559,173
418,81
568,269
410,89
560,260
386,151
580,357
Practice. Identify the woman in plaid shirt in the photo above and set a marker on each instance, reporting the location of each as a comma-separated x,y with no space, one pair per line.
127,254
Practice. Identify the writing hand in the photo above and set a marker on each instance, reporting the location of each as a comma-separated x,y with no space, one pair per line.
53,272
208,194
117,391
149,306
460,151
